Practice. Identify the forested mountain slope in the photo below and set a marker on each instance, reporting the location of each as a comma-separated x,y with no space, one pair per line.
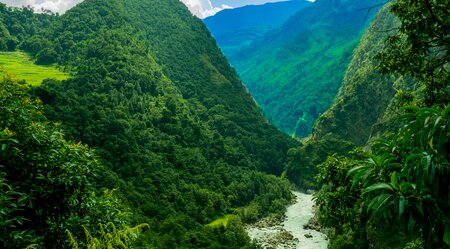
295,71
179,135
394,193
234,29
365,93
362,102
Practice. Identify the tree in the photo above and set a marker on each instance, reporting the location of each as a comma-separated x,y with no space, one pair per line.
45,181
46,56
339,202
410,183
421,46
110,237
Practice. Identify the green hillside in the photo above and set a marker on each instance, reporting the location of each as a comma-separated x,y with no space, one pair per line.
393,193
364,88
182,141
295,71
154,142
360,106
22,66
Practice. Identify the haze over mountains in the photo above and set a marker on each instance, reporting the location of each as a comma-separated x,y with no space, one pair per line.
235,29
206,8
295,70
200,8
240,3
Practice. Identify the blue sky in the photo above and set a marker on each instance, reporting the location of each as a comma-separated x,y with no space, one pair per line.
205,8
239,3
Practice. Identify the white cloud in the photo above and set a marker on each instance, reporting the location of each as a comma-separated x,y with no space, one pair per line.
203,8
200,8
53,5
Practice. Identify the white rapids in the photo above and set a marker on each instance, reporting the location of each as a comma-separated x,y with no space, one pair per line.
290,234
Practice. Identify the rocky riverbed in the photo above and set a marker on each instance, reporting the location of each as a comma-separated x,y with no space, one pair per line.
290,232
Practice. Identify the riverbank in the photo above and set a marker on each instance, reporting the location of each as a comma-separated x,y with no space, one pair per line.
290,232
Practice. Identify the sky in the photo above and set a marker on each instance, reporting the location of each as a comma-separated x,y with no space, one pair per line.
53,5
200,8
205,8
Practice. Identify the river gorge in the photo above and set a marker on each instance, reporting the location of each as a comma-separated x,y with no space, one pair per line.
290,233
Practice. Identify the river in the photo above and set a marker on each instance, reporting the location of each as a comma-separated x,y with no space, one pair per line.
290,234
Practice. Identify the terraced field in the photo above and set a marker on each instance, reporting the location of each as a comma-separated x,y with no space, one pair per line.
21,66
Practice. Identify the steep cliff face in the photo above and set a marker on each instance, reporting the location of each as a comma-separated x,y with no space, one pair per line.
365,94
362,109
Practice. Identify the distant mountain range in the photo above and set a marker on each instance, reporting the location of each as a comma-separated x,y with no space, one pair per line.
240,3
360,109
294,71
236,28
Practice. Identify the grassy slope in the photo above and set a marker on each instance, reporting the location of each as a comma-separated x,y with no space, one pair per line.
21,66
223,221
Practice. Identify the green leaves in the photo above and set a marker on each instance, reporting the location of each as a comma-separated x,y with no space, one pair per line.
45,181
407,186
380,203
405,179
401,206
338,199
421,48
447,235
110,237
12,204
378,186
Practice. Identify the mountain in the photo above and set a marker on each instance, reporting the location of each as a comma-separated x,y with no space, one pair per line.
240,3
236,28
363,108
365,94
181,140
395,90
294,72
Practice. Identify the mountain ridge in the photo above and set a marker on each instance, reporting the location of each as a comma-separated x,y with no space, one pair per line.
180,137
363,89
281,70
236,28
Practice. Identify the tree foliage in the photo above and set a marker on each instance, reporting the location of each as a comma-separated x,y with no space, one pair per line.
340,206
405,179
181,139
421,47
409,181
110,237
46,182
